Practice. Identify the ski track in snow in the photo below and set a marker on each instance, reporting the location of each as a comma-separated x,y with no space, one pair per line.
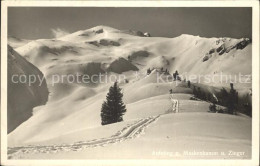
129,132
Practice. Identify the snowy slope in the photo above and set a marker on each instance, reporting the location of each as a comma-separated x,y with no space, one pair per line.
171,136
74,108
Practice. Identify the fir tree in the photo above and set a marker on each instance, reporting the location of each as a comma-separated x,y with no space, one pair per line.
195,92
148,71
224,97
209,98
203,96
176,75
189,83
113,109
162,69
166,72
232,102
212,107
199,93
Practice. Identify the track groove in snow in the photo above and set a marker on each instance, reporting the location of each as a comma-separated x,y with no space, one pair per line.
175,104
128,132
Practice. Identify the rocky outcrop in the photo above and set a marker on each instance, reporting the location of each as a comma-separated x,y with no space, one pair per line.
138,54
226,49
23,94
121,65
205,58
136,33
212,51
146,34
104,42
241,45
221,50
99,31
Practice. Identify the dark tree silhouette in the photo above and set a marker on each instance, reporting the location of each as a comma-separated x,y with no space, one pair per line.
166,72
113,109
149,71
199,93
209,97
232,100
224,97
162,69
176,75
245,104
203,96
212,107
195,92
188,83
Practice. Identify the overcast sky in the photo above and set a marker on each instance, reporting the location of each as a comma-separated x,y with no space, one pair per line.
47,22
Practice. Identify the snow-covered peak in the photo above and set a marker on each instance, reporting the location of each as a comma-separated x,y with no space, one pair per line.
101,31
16,42
94,33
188,35
104,27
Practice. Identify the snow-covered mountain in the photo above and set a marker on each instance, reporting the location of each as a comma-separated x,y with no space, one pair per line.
74,108
101,44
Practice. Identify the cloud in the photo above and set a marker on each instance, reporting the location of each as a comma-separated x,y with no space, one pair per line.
58,32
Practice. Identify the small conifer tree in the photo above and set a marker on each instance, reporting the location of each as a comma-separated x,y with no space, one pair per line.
113,108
